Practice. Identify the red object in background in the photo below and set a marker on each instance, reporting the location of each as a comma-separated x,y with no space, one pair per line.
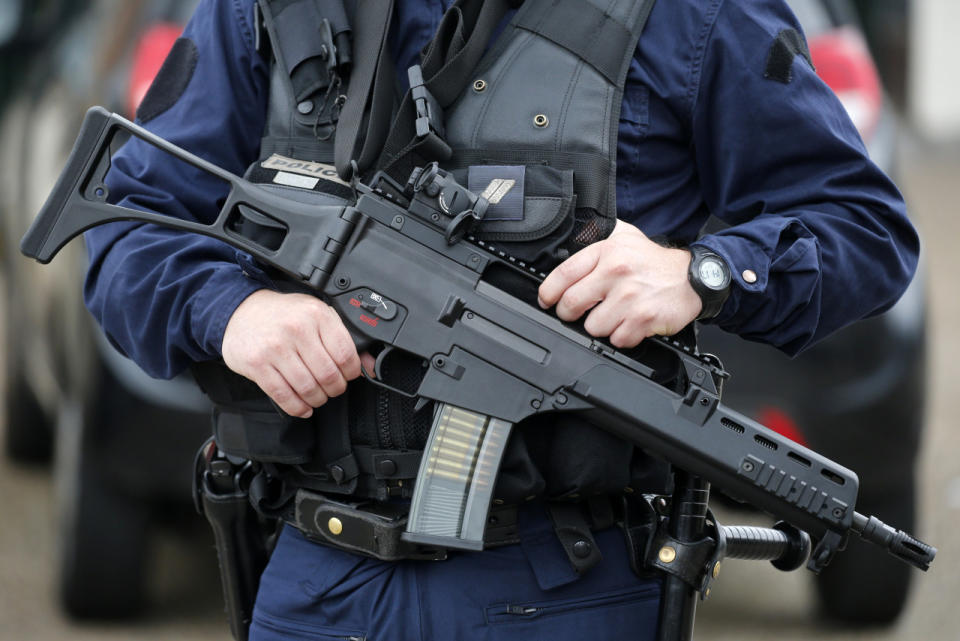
843,62
151,51
778,420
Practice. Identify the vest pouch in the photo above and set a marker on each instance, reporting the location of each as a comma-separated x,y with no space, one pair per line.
256,430
304,34
534,218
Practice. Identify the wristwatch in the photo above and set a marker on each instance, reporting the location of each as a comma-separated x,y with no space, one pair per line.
709,276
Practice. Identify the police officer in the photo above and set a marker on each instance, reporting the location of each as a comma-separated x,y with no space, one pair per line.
721,114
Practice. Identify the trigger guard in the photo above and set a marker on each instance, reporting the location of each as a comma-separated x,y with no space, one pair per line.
378,381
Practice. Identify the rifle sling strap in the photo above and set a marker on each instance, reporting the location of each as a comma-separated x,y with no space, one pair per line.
456,49
372,82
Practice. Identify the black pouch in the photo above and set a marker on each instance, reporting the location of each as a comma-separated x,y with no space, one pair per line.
537,225
260,432
247,425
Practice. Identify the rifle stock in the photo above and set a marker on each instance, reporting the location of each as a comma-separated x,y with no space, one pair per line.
391,271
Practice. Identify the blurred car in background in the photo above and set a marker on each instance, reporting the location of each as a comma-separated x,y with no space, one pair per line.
858,396
886,24
123,442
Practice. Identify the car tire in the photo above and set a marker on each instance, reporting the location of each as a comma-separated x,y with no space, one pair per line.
27,436
28,432
103,534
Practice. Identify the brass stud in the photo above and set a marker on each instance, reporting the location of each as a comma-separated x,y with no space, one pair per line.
335,526
716,569
540,120
667,554
479,85
749,276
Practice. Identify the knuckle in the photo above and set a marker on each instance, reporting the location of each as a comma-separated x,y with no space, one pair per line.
592,325
324,313
303,385
343,352
568,269
256,361
328,374
572,301
270,345
337,388
620,267
278,393
623,338
565,313
295,328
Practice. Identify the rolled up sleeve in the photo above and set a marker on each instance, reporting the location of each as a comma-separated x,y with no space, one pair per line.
819,230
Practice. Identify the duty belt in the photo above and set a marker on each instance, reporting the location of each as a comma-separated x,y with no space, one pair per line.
374,528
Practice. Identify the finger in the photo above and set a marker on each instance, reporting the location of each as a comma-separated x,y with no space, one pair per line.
304,381
629,334
567,273
369,364
339,345
324,372
603,319
583,295
278,389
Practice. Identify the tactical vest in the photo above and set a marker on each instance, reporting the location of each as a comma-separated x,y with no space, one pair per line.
541,107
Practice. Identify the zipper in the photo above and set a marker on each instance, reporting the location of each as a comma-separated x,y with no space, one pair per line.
515,612
383,419
522,610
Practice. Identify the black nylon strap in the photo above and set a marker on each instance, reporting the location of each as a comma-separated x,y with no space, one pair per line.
370,82
573,530
584,30
460,42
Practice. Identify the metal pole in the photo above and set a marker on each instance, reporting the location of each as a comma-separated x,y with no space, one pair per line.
687,524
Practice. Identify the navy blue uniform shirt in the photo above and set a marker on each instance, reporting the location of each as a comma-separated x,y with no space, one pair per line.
702,132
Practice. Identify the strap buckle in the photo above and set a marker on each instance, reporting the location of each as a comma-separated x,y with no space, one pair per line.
328,50
429,112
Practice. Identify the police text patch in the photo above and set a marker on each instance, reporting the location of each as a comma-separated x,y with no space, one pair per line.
304,168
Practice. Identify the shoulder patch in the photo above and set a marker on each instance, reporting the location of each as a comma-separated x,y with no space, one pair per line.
785,48
171,80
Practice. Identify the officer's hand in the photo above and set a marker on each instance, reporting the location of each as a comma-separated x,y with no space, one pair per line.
632,286
295,347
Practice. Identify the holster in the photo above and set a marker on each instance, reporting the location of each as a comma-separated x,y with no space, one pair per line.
221,494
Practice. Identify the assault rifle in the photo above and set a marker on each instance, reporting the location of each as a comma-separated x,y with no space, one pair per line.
402,270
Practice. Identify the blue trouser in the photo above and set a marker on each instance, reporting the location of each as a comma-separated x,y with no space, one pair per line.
526,591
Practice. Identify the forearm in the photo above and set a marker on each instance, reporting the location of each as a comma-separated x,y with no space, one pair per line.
163,298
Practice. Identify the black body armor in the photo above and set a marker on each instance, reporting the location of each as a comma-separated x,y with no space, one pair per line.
541,108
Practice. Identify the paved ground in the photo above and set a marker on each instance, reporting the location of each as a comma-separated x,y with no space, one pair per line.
751,602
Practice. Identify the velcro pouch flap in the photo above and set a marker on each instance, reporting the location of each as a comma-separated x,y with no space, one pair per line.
547,196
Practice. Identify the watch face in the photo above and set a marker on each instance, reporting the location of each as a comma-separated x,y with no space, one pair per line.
712,273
